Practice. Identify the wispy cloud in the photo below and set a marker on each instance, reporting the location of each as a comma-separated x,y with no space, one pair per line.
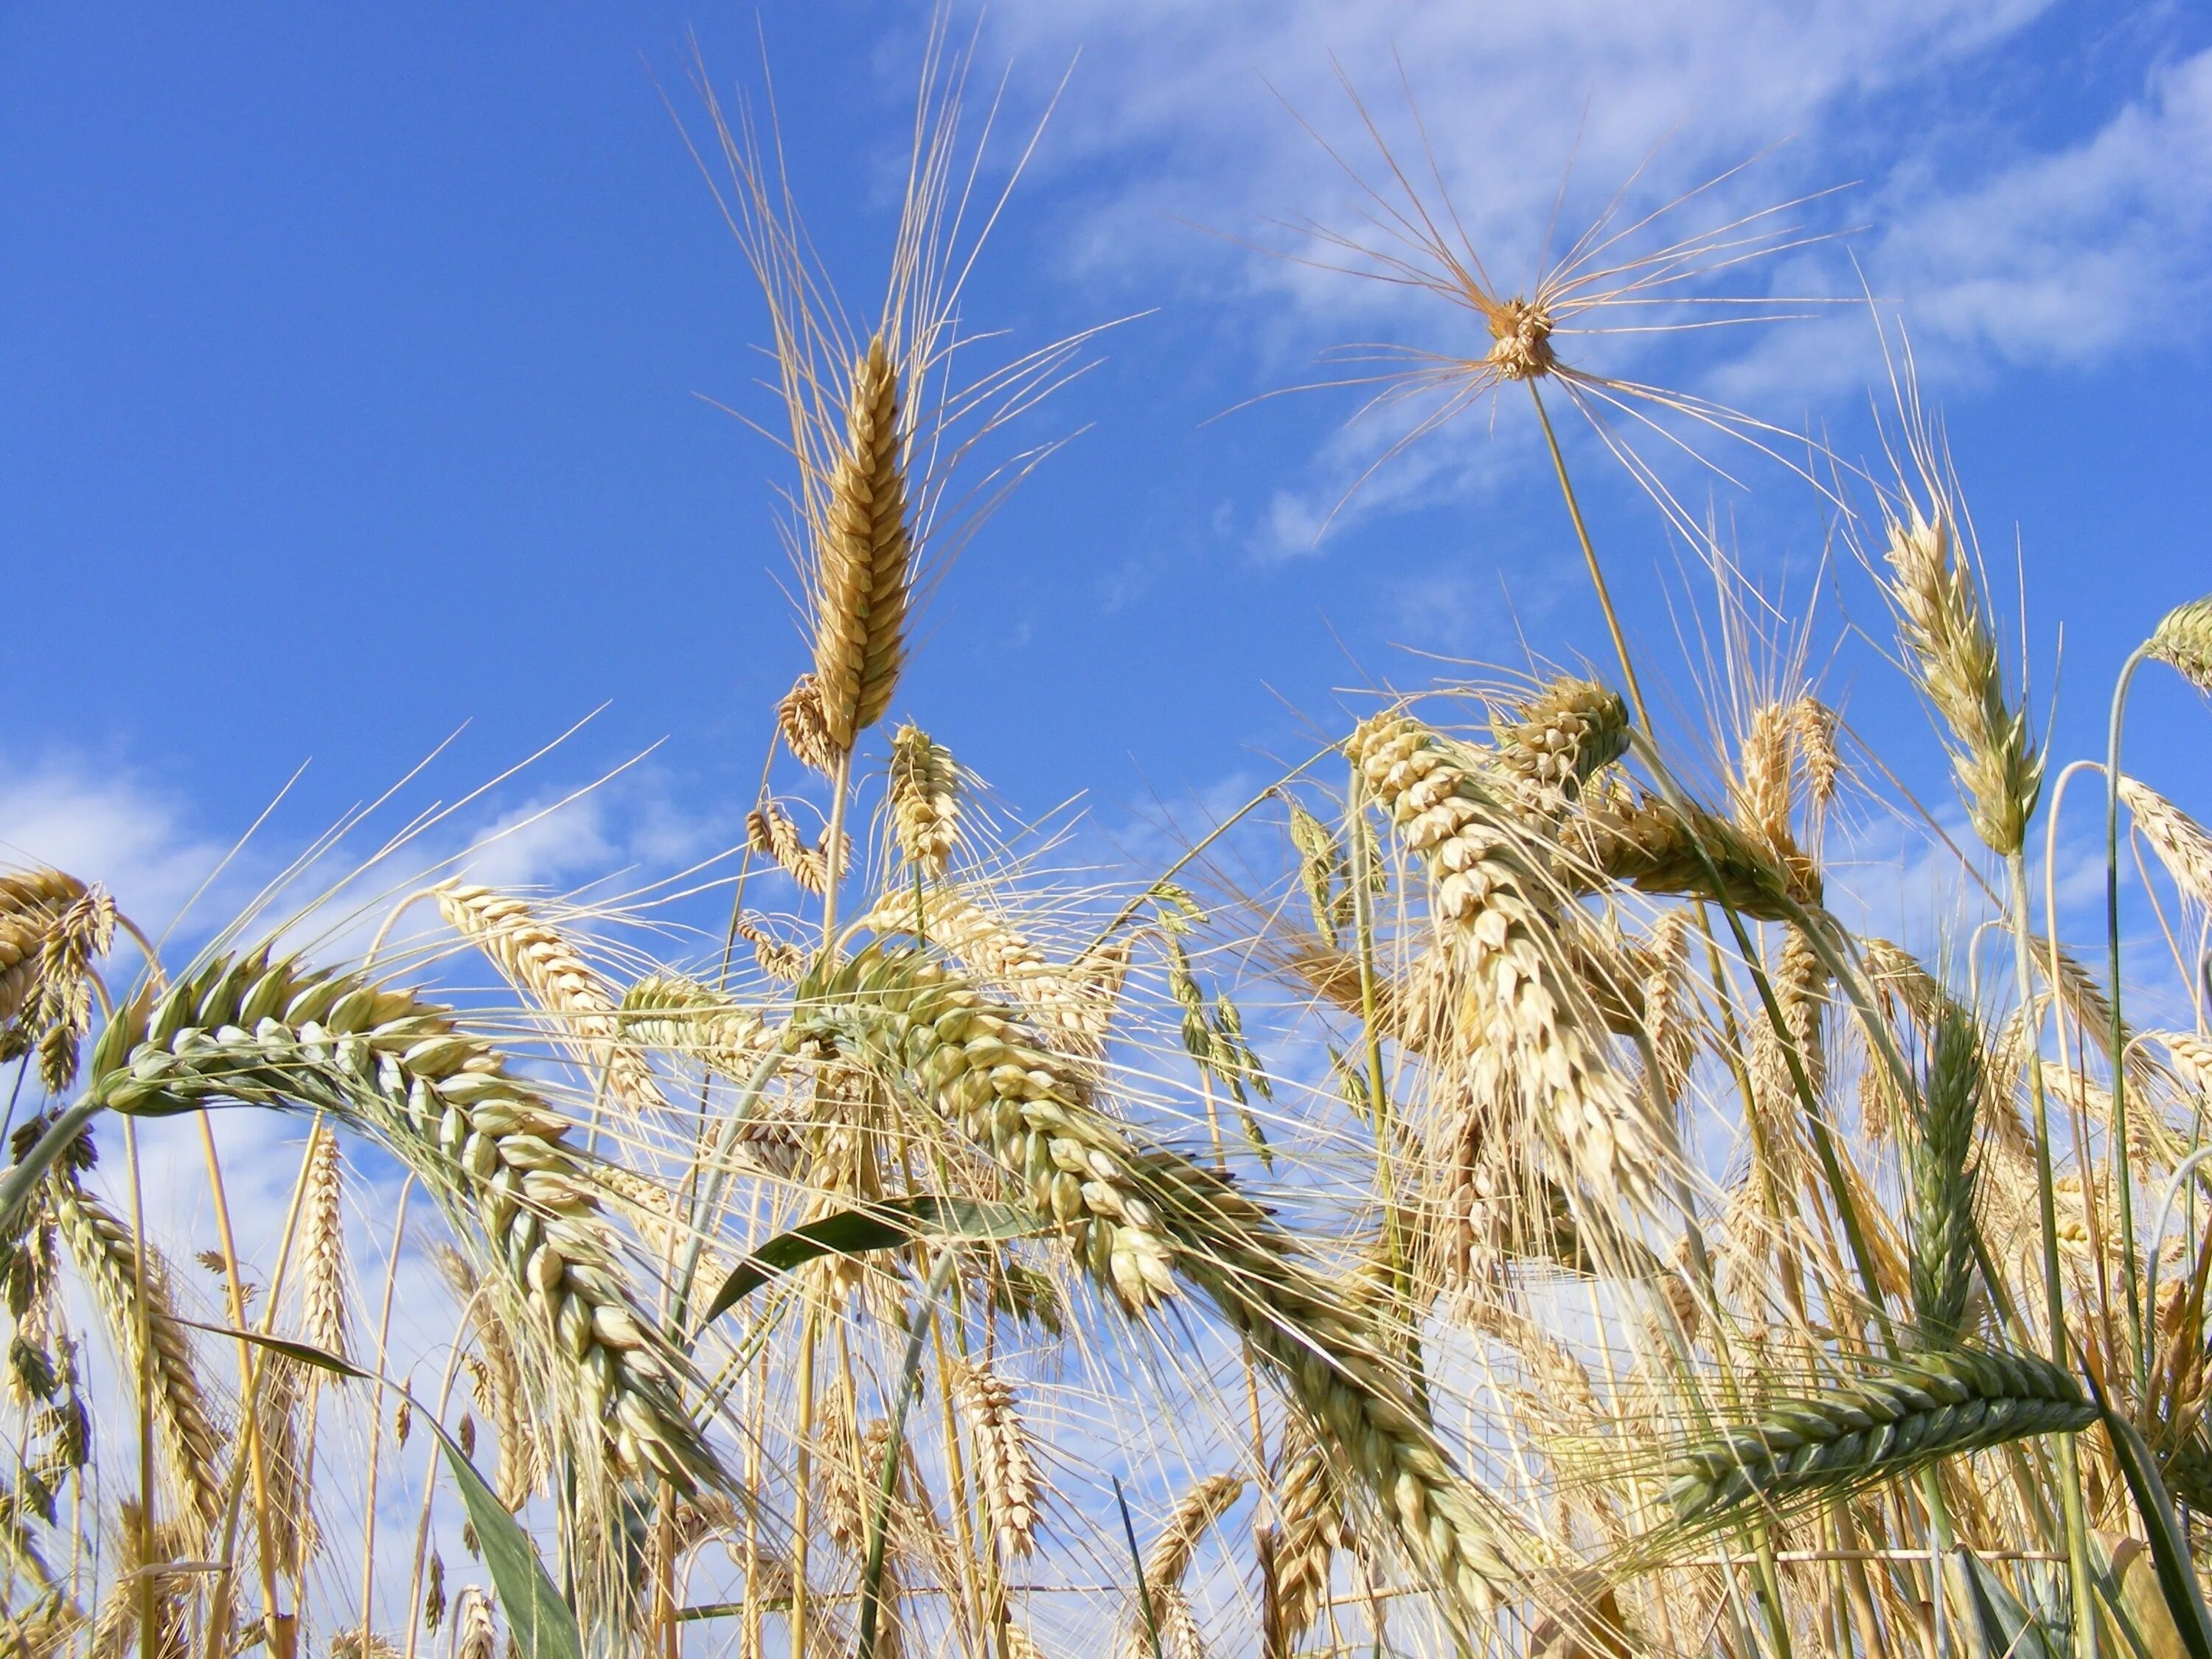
2000,244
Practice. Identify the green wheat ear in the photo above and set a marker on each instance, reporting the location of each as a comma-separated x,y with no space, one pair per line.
1906,1418
1942,1186
2183,642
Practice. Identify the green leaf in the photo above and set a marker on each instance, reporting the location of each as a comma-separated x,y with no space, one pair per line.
320,1359
883,1226
2169,1550
539,1618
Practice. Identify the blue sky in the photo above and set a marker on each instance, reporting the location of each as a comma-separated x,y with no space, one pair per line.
358,372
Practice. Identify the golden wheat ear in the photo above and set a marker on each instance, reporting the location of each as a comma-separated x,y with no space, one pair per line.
862,574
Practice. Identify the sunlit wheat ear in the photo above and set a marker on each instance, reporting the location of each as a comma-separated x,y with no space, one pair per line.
861,572
31,901
1310,1531
145,1553
2182,640
543,965
1817,725
1005,1466
1557,741
1668,1010
58,1011
702,1024
1490,903
1658,848
487,1145
1169,1560
1944,626
495,1383
105,1253
780,958
770,828
475,1637
322,1247
1137,1219
925,798
804,728
1073,1009
2179,841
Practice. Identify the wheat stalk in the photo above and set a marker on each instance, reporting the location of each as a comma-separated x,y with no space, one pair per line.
543,965
488,1144
862,568
2179,841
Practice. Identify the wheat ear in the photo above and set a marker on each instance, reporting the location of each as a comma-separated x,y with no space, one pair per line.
804,728
2178,839
861,553
474,1635
31,901
1559,739
1068,1007
1911,1416
1954,659
770,828
322,1283
100,1243
1312,1529
1135,1218
1005,1466
2182,640
1529,1034
1169,1560
1943,1236
487,1144
924,797
542,964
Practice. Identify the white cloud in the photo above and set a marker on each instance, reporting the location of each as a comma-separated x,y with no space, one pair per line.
1997,252
106,824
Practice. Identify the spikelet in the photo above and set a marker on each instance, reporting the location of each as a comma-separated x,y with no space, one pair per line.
1005,1469
2193,1058
490,1145
322,1283
1559,739
799,720
769,829
1946,633
496,1384
2182,640
538,962
1321,866
1135,1220
862,570
780,958
1528,1037
2179,841
434,1594
925,798
102,1245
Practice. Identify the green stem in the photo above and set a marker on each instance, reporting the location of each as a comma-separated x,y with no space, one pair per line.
2135,1327
872,1575
1589,556
2069,1472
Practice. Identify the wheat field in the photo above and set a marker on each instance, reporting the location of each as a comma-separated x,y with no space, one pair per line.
1510,1207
